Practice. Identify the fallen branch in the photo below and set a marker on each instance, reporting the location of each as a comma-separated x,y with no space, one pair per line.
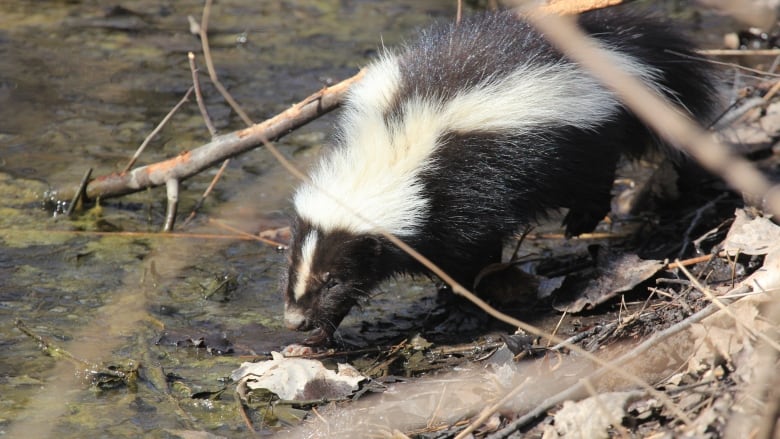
189,163
156,130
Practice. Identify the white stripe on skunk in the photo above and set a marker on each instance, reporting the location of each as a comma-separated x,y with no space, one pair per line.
458,139
304,269
375,169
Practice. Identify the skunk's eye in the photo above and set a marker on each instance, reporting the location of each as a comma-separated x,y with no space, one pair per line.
329,281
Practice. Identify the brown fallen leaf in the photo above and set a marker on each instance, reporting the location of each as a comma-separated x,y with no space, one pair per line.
618,274
752,235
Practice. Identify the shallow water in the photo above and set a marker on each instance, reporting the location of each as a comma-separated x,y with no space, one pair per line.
81,84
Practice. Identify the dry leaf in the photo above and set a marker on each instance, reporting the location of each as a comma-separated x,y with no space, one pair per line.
298,379
752,236
591,417
619,274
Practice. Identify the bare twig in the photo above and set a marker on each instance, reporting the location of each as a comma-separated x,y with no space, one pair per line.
724,307
520,240
578,389
50,348
172,184
189,163
739,52
582,236
442,396
207,192
212,131
242,411
242,233
695,222
172,191
680,263
489,411
149,235
199,96
203,32
771,93
204,38
557,326
155,131
728,64
736,111
576,338
79,192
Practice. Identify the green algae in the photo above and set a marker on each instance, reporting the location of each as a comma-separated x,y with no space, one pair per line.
87,84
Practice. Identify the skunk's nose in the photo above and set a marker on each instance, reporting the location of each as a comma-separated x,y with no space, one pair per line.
294,319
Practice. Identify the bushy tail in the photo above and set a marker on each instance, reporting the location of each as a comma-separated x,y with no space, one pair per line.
687,80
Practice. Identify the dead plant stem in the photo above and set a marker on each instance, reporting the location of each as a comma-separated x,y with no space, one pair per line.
204,38
638,351
199,95
156,130
719,303
488,412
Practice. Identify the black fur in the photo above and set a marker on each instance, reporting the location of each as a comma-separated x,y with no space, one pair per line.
487,185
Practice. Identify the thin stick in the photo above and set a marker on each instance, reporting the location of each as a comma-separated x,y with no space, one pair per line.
771,93
488,412
204,38
207,192
576,338
203,31
432,421
155,131
719,303
79,192
150,235
735,112
728,64
637,352
172,191
213,131
569,7
692,261
695,222
199,96
241,232
557,327
244,415
520,240
172,185
50,348
739,52
221,147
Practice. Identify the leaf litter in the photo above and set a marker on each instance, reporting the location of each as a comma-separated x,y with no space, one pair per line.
430,388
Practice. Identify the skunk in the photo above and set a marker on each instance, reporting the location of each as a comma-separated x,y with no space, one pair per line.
458,139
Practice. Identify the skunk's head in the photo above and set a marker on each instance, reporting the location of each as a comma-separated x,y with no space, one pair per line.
328,273
365,185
